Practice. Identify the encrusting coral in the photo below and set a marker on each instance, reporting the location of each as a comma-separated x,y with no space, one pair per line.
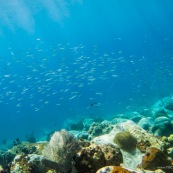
90,159
119,169
143,145
155,159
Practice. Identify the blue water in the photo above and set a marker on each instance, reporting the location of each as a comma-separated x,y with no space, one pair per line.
57,57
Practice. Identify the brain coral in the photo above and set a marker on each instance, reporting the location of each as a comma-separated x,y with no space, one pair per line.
125,141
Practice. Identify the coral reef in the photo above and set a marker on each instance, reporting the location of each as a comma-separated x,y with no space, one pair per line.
20,164
160,113
117,146
97,129
143,145
125,141
80,134
146,123
136,118
155,159
61,148
87,123
106,169
28,148
6,158
90,159
32,163
162,126
116,169
170,139
168,103
168,143
119,169
24,148
143,137
73,124
159,123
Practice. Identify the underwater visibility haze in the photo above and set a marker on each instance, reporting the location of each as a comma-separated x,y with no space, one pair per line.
72,59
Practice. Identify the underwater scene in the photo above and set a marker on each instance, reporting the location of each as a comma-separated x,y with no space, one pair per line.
86,86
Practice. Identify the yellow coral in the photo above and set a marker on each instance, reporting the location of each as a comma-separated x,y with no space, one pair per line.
170,150
119,169
1,169
50,171
170,138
